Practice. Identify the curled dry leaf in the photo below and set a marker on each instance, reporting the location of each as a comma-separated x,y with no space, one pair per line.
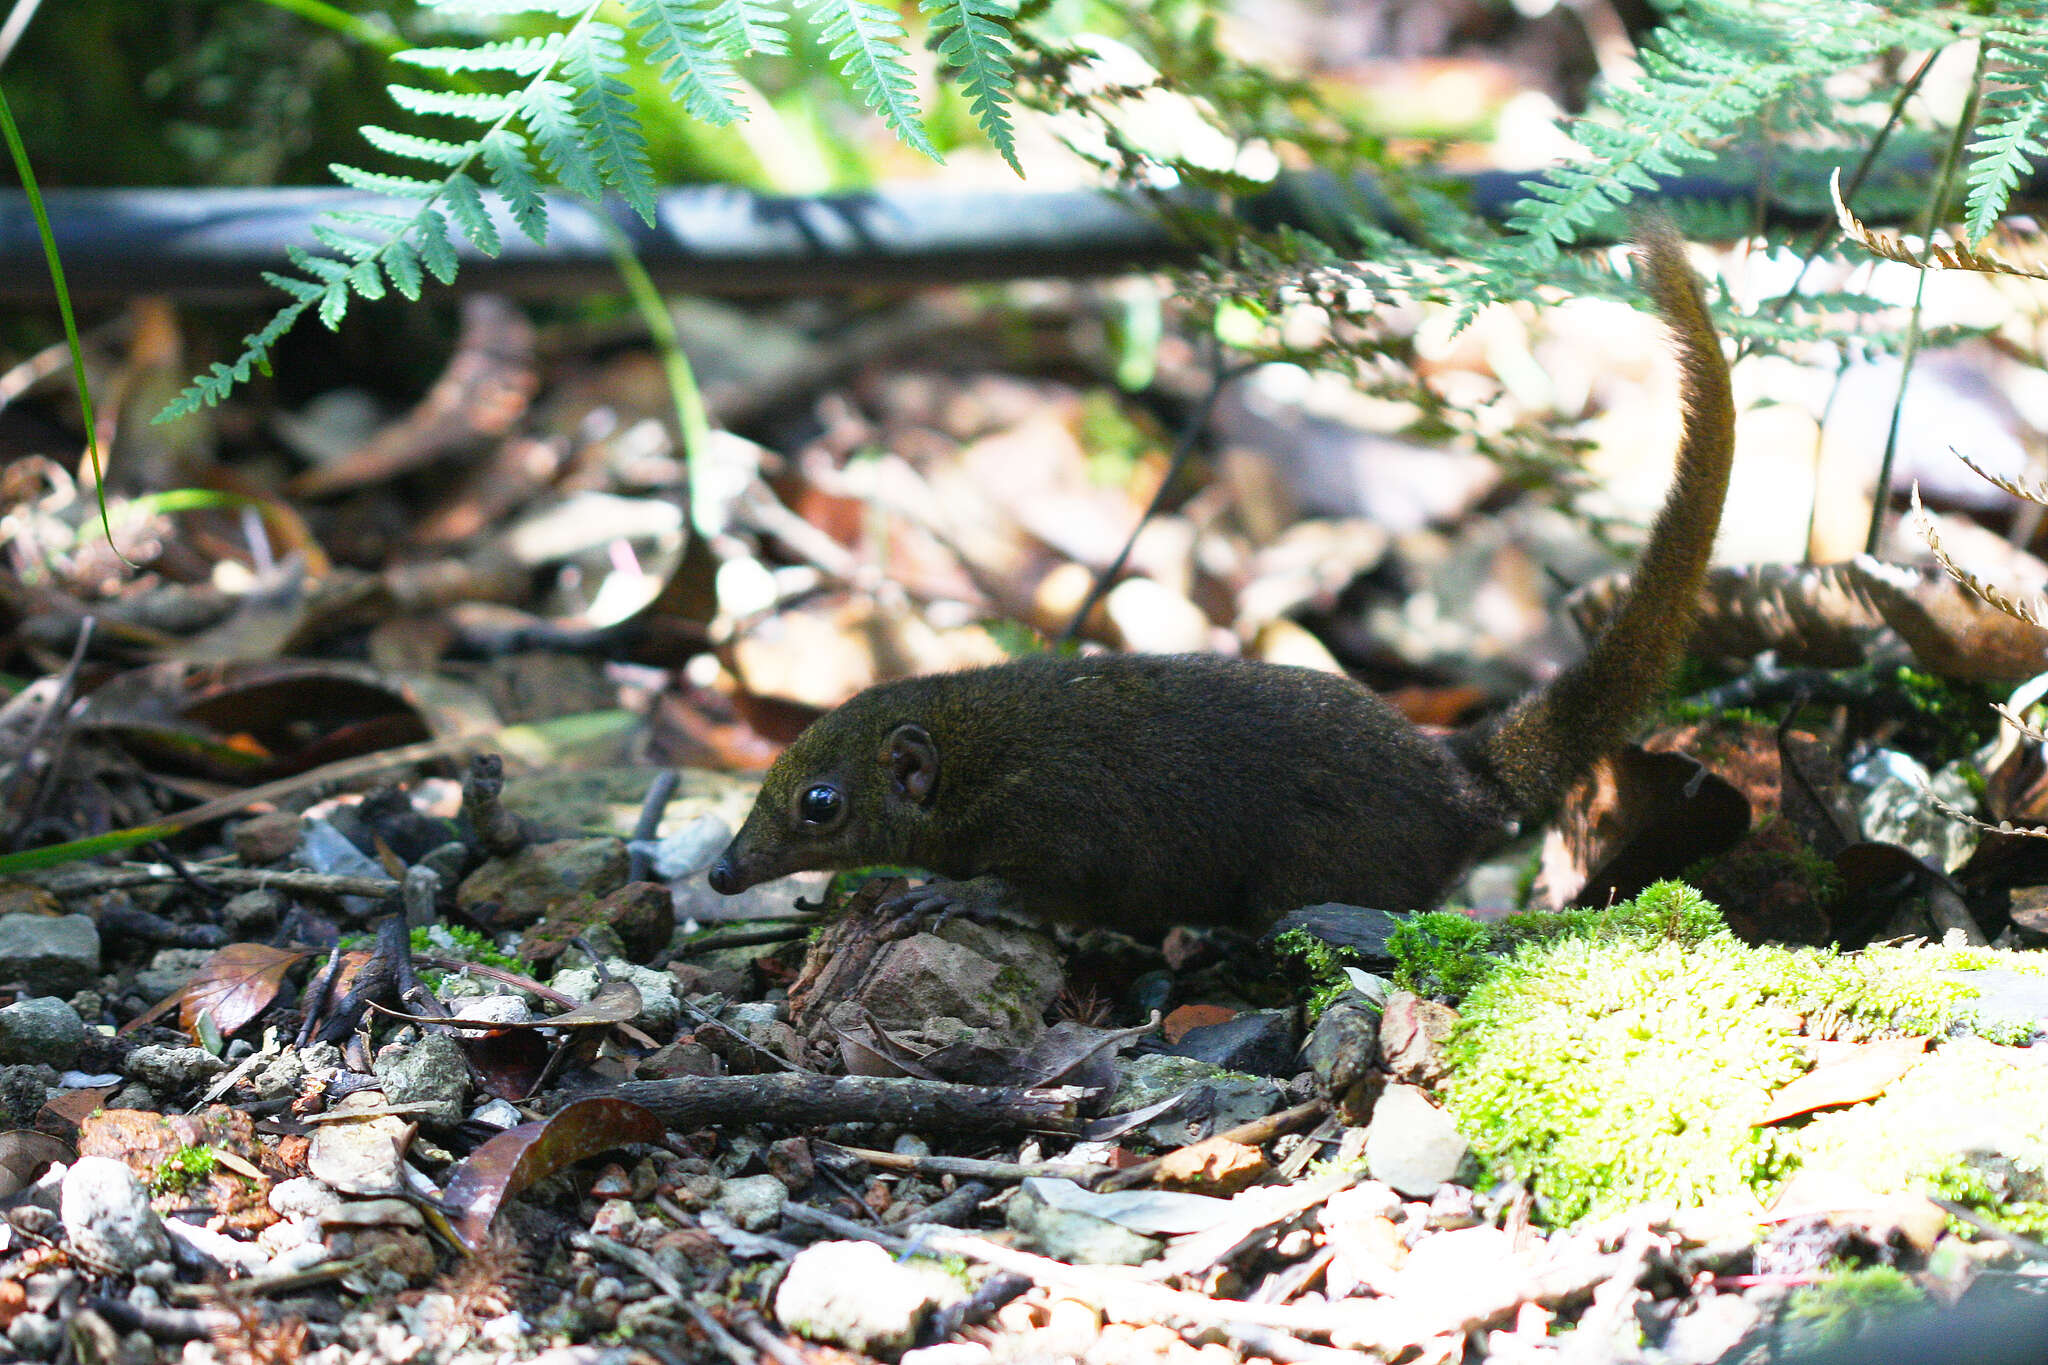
517,1157
616,1002
1932,257
231,988
2031,611
1848,1073
25,1154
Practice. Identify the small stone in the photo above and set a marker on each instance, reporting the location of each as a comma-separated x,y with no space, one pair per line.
59,953
172,1071
169,971
1215,1099
1413,1032
1255,1043
36,1335
433,1070
659,1007
107,1216
1213,1166
265,839
41,1029
754,1202
1076,1238
1343,1051
856,1295
530,883
253,914
24,1090
1411,1144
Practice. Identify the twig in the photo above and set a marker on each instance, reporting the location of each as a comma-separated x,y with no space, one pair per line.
953,1209
730,1345
498,831
1220,376
810,1100
754,1330
87,880
639,862
60,702
746,938
973,1168
632,1258
2023,1244
1257,1133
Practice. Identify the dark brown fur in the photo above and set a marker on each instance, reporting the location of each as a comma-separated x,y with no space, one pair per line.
1144,791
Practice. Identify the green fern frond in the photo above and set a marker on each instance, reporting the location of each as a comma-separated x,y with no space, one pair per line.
971,36
222,379
513,56
469,104
342,244
561,9
466,206
504,152
2016,119
437,251
434,149
866,40
677,36
1712,68
376,182
550,118
744,27
592,56
402,265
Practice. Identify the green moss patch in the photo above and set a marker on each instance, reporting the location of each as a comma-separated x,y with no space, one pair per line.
1622,1057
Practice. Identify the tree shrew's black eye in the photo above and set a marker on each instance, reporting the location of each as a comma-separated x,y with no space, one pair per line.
820,805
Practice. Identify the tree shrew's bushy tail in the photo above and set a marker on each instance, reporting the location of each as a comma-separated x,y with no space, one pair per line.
1551,738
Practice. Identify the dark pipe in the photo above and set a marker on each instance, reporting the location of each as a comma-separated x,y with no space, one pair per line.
215,244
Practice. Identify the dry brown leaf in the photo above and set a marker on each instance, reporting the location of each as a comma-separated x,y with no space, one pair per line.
1932,256
1848,1073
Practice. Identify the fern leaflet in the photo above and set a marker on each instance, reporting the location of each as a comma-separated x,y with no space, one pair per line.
679,39
574,114
514,56
504,152
593,55
866,40
971,38
744,27
2017,119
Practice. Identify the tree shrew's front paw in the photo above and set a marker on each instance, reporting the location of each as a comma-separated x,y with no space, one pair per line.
926,908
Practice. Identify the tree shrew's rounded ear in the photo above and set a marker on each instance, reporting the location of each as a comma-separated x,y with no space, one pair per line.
913,762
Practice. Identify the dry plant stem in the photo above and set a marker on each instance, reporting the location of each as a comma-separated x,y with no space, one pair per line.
1331,1129
1257,1133
753,1329
728,1345
659,793
164,1323
29,802
498,831
746,938
632,1258
2025,1246
955,1209
318,991
973,1168
1220,376
1201,1252
809,1100
84,881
